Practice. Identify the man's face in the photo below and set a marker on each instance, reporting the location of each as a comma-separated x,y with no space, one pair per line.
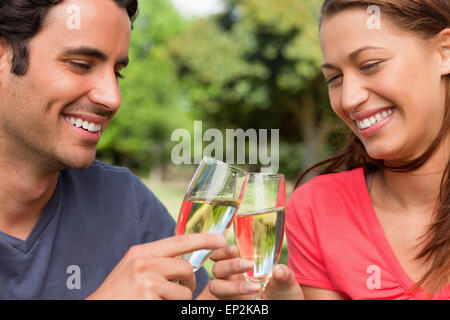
72,80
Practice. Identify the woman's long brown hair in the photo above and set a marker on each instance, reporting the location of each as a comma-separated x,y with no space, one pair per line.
428,18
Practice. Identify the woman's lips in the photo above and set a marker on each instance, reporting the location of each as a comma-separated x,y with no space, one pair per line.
361,115
371,125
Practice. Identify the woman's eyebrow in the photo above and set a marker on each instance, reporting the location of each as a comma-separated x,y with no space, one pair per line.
328,66
352,56
355,53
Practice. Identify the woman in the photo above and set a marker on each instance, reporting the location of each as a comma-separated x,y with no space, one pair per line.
375,224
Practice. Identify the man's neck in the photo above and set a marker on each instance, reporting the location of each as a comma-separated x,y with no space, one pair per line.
24,195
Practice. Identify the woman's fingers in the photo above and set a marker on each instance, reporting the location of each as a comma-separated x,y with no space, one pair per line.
226,289
227,268
228,252
283,285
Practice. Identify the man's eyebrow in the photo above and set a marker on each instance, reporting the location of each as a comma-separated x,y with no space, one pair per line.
352,55
92,52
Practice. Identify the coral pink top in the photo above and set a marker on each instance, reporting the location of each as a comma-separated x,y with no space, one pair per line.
336,242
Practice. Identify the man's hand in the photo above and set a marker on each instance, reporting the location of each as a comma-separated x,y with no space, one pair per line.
231,284
152,270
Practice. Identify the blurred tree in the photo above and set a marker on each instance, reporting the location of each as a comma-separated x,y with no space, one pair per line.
153,106
257,65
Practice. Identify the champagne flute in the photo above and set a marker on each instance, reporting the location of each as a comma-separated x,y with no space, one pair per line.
210,203
259,225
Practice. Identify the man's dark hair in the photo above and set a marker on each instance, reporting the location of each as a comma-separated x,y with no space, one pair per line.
20,20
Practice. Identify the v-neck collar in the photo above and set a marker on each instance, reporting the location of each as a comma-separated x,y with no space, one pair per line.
26,245
381,242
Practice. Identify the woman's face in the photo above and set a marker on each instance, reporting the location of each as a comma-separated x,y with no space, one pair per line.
385,83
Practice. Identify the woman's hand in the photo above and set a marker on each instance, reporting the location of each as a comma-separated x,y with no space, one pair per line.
282,285
231,284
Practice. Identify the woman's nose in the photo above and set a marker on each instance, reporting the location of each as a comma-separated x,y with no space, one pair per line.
353,94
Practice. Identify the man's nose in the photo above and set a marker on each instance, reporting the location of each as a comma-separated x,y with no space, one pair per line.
106,91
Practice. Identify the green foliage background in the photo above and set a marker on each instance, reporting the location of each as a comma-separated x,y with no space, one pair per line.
256,65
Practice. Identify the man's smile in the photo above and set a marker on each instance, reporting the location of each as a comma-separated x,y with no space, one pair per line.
89,126
86,125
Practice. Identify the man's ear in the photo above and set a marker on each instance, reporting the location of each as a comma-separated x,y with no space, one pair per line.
4,51
2,59
443,41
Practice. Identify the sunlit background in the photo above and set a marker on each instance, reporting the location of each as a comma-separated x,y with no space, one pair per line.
198,8
230,64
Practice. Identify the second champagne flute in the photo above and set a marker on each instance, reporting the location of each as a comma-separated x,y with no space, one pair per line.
210,203
259,225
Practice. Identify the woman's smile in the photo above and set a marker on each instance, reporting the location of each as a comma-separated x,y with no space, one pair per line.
369,125
395,106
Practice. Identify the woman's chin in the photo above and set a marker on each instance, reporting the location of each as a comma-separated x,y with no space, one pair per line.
383,153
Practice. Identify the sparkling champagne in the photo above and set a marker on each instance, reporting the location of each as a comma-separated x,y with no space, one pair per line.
205,216
259,236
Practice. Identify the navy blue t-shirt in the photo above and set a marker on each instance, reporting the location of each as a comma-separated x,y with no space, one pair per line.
93,218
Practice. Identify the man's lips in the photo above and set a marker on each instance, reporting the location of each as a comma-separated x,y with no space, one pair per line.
90,122
92,118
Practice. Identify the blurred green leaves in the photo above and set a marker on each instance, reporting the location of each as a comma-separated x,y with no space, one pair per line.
256,65
153,105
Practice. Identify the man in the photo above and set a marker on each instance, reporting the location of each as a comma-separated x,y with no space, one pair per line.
72,227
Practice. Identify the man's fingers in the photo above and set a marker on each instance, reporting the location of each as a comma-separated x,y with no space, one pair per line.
190,283
169,268
172,269
177,245
174,291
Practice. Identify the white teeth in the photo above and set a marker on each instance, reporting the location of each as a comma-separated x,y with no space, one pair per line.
92,127
79,123
379,117
368,122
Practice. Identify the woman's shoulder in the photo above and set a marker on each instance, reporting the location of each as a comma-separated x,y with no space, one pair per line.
326,183
330,191
329,197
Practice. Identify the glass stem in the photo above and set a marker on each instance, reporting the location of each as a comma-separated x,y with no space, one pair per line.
260,295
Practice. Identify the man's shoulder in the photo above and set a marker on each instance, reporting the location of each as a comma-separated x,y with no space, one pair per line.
112,186
103,176
101,170
101,167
